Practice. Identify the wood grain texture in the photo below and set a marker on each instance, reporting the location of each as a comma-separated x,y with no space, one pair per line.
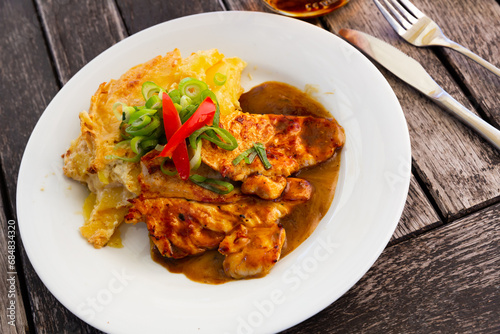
139,15
78,31
418,215
475,25
13,315
446,281
256,6
26,63
460,170
27,83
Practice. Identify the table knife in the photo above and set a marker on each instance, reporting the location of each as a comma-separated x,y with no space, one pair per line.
411,72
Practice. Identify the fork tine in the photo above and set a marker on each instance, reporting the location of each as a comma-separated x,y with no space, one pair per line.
395,24
408,16
411,7
401,19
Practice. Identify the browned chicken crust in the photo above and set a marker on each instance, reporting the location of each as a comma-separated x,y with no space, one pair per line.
292,143
247,232
184,219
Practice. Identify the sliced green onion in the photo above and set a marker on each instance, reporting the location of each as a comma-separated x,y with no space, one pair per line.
141,127
185,101
139,113
216,186
226,140
154,102
157,134
148,144
251,157
250,154
220,79
242,156
261,151
134,143
208,93
141,122
178,107
144,130
192,87
175,95
195,161
187,112
166,171
126,110
149,88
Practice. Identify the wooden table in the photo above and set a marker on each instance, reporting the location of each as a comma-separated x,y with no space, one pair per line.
441,270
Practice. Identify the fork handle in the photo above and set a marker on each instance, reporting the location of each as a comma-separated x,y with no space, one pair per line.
466,52
486,130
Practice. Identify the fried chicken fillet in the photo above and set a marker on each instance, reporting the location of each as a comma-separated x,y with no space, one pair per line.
184,219
291,142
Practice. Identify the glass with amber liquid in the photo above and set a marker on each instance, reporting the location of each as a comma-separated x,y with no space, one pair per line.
305,8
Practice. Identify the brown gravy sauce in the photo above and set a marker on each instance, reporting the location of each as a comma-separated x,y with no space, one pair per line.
273,98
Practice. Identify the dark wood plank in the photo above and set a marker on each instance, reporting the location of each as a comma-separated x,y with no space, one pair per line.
96,27
445,281
47,309
13,316
475,25
79,31
460,170
139,15
418,214
27,83
257,6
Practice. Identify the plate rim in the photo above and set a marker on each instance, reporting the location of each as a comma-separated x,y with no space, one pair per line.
19,202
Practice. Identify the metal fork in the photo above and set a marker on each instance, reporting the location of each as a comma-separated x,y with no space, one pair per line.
418,29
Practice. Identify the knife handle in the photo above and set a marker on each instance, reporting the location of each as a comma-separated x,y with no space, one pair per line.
486,130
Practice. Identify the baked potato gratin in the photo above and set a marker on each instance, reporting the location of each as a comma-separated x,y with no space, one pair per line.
169,145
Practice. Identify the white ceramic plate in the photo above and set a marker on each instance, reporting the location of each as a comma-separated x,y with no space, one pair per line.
123,290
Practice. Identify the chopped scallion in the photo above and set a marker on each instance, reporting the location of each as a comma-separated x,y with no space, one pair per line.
192,88
154,102
242,156
166,171
251,157
195,161
220,79
216,186
149,88
250,154
261,151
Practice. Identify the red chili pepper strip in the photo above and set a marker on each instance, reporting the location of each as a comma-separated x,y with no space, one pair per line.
201,117
172,123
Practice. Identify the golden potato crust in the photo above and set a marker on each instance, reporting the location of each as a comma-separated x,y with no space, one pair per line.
114,182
